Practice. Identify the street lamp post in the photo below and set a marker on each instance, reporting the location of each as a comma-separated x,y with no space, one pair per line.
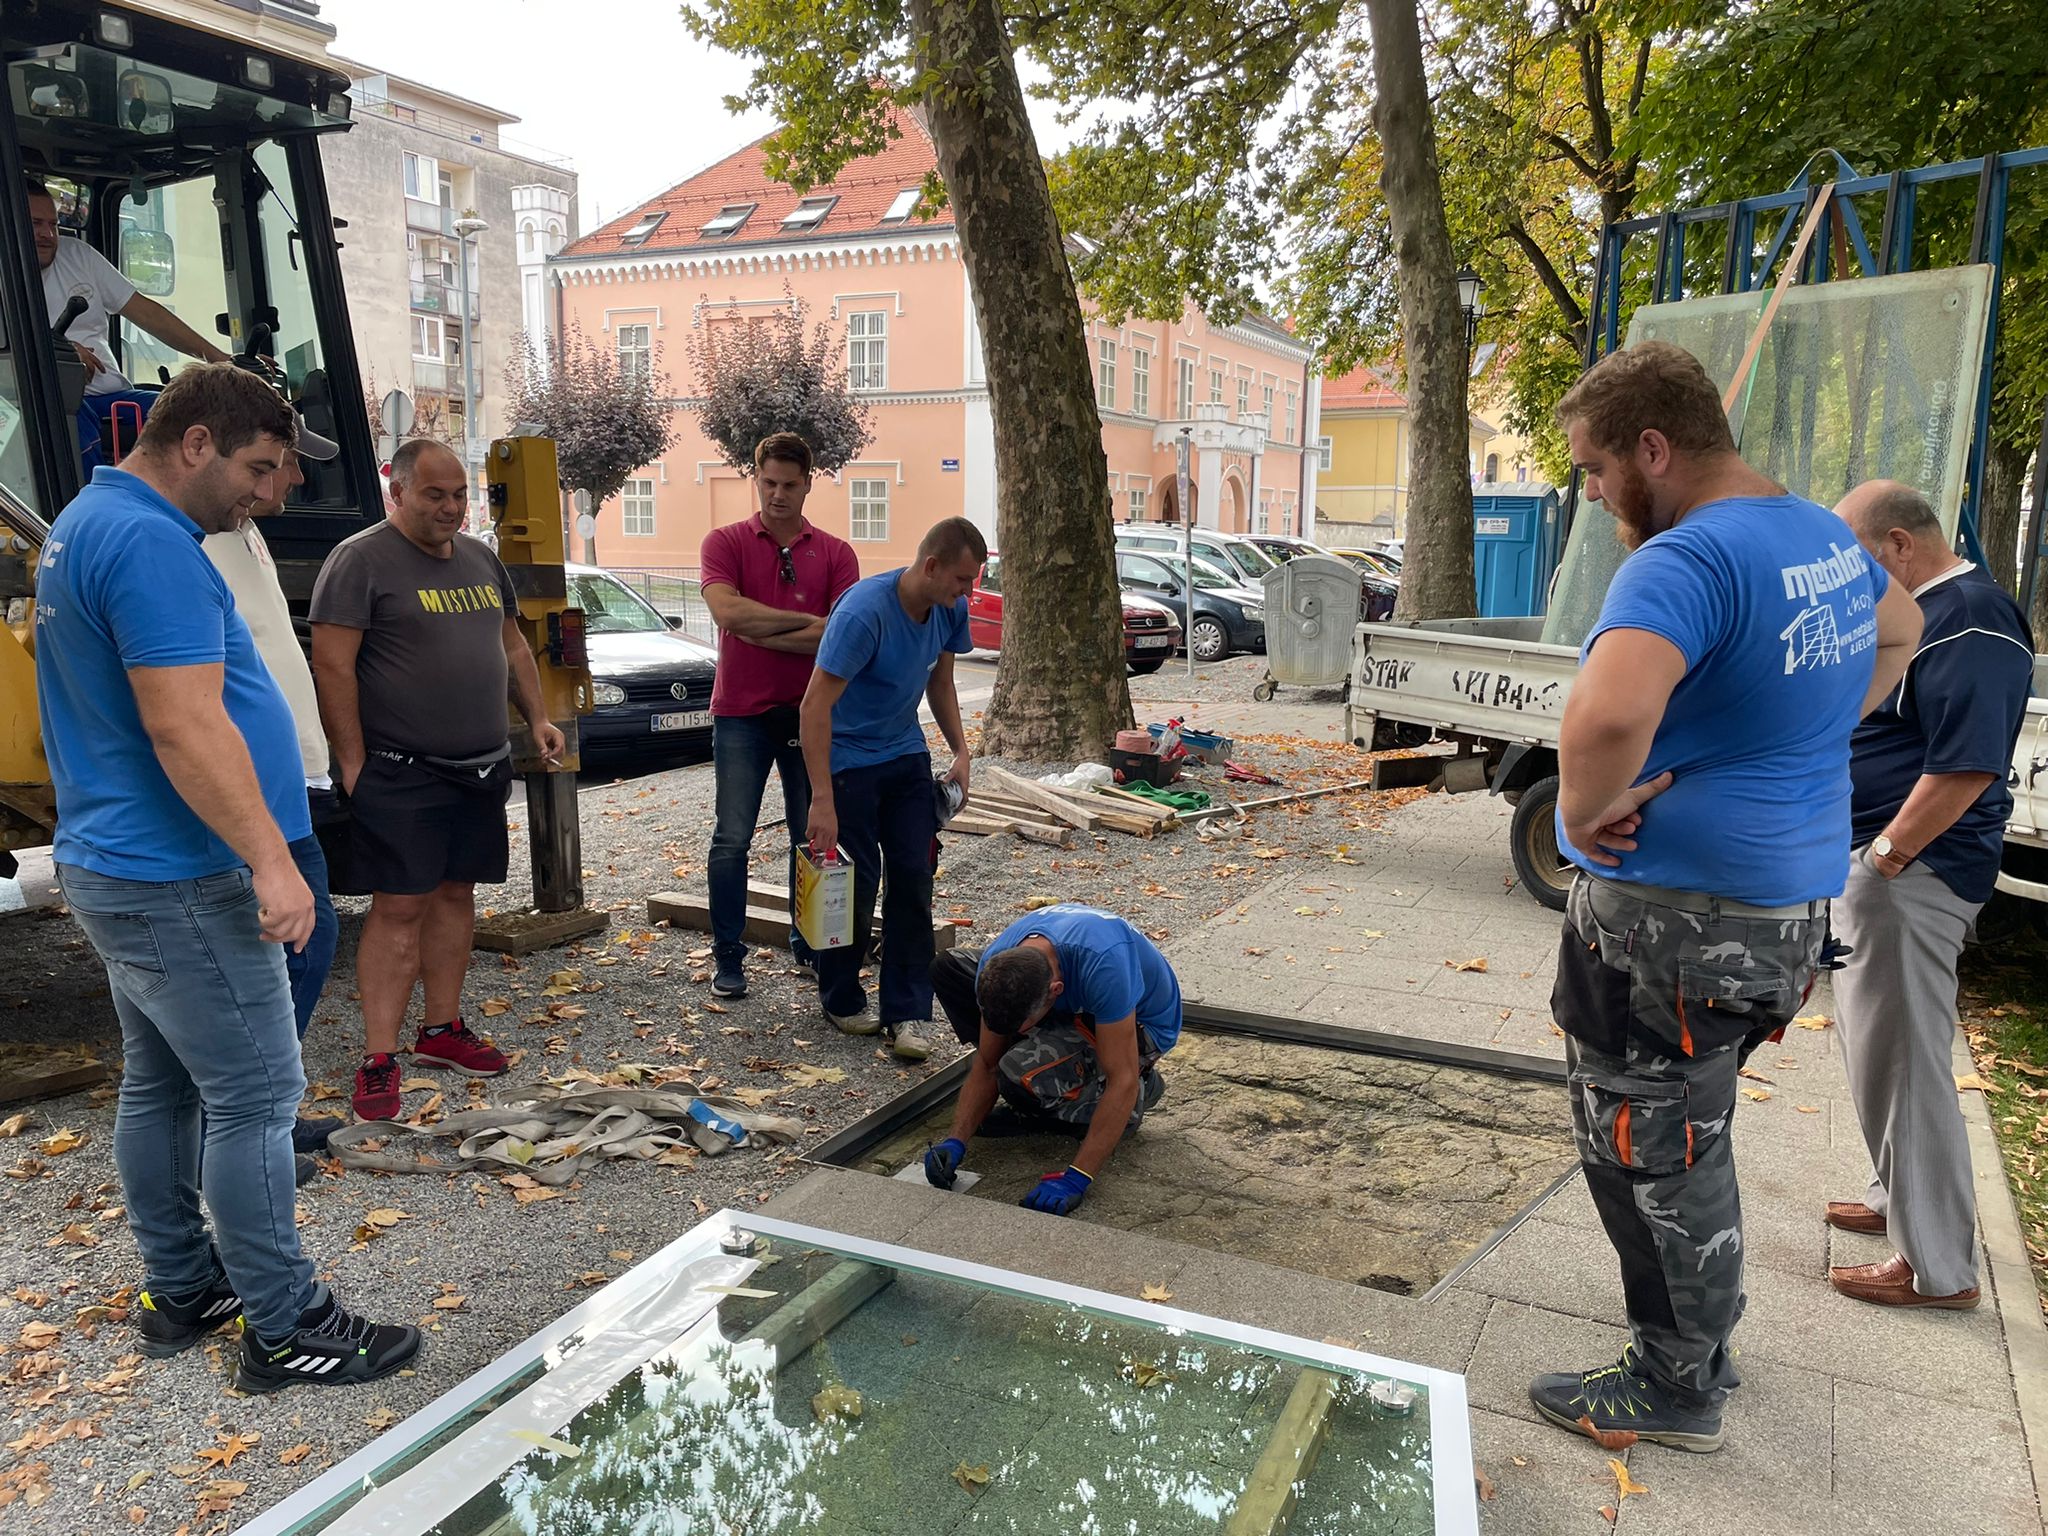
1470,287
466,229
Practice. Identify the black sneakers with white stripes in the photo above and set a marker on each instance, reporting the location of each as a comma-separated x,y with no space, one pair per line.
170,1325
330,1348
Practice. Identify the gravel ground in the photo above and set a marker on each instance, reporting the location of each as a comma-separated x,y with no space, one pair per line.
99,1439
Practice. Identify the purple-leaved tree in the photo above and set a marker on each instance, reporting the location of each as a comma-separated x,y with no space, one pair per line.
607,416
764,374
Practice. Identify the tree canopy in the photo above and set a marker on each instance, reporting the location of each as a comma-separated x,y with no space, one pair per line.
772,373
607,418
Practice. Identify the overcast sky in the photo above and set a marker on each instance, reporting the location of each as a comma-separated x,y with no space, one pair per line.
619,86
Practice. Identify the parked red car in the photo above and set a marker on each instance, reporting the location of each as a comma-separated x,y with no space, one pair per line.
1151,630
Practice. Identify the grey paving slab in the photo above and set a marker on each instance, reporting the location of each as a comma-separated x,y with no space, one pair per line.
842,1200
1519,1343
1441,1333
1770,1475
1907,1464
1545,1482
1421,1016
1011,1238
1564,1269
1956,1357
1497,987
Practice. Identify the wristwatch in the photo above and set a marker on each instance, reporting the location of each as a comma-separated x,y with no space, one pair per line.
1882,847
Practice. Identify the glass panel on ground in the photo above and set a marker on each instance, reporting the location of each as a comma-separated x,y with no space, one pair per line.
824,1386
1870,378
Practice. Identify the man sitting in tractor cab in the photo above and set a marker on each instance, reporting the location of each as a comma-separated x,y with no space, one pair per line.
71,268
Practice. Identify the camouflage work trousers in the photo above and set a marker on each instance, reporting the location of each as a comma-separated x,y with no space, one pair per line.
1662,996
1053,1071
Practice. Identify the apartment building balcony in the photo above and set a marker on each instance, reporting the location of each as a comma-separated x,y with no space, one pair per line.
434,377
435,218
441,299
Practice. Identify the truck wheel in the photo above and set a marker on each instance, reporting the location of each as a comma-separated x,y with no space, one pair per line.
1532,842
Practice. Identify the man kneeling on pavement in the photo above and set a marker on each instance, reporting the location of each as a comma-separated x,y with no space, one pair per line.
1068,1011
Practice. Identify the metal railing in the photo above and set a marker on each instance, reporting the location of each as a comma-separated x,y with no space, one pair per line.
434,376
674,593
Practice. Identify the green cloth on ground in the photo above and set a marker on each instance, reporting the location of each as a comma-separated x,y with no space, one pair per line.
1172,799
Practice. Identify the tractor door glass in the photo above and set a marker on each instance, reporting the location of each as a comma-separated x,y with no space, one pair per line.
188,278
284,271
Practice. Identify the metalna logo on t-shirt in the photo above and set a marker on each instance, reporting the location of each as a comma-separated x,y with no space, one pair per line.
1814,638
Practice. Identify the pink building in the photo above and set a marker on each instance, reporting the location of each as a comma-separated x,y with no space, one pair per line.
730,239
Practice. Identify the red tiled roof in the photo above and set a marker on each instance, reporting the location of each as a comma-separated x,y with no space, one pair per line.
865,189
1363,388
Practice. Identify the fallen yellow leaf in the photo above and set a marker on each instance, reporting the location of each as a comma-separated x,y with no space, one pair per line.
387,1217
1758,1094
1813,1021
295,1455
1622,1481
493,1006
539,1192
1477,963
1807,1109
231,1446
39,1335
14,1125
450,1303
836,1402
1753,1075
973,1479
1972,1082
59,1142
381,1418
1155,1293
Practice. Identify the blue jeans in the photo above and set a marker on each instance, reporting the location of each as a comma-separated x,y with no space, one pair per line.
888,825
206,1021
743,749
307,969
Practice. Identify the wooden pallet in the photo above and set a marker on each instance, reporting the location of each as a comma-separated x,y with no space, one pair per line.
767,924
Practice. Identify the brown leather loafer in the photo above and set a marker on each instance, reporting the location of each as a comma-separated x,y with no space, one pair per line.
1854,1216
1890,1284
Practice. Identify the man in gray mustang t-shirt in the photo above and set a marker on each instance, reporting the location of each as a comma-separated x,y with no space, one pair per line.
415,638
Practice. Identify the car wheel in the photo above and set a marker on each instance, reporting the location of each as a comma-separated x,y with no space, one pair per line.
1208,640
1147,667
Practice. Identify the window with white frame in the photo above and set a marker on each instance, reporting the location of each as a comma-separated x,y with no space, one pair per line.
422,177
1184,402
1292,422
1141,382
1138,495
426,337
1244,396
1264,513
1324,447
636,347
868,509
867,350
636,509
1215,386
1268,393
1105,372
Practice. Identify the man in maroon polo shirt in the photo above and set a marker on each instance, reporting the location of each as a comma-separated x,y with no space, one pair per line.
769,583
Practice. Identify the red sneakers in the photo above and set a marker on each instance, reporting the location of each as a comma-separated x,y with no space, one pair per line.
377,1088
455,1047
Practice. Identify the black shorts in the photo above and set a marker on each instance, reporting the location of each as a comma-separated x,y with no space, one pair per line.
415,827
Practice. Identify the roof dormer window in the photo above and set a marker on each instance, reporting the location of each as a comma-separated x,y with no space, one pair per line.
729,219
899,210
639,233
809,213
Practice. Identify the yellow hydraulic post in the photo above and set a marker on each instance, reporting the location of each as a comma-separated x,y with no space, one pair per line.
526,509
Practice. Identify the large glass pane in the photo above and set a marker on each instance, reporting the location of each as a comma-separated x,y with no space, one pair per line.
824,1385
187,274
1857,380
297,340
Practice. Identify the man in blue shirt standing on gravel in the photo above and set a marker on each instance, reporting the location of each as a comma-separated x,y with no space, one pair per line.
888,645
180,790
1930,807
1704,795
1068,1013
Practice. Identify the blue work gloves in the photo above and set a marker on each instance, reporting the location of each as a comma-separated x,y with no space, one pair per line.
943,1161
1057,1193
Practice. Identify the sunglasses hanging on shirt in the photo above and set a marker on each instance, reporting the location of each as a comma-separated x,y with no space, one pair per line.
788,567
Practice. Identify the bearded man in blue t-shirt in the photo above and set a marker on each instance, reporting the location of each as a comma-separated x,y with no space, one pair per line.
1704,795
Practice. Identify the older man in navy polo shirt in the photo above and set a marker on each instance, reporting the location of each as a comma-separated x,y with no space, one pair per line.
1930,804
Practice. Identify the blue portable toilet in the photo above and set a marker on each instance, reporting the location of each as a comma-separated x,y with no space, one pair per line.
1515,546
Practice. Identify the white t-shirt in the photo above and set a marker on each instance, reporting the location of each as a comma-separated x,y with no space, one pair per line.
244,562
80,269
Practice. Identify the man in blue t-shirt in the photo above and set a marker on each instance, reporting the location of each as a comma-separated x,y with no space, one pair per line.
180,790
1704,795
1068,1013
1931,800
888,646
